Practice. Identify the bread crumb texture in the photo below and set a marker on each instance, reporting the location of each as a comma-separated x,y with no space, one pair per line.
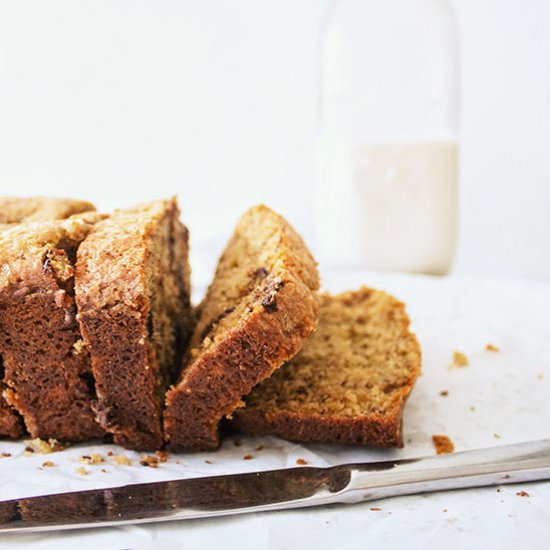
460,360
443,444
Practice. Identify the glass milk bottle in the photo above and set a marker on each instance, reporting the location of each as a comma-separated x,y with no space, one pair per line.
388,154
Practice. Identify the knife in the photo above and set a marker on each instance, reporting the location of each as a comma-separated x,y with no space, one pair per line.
276,489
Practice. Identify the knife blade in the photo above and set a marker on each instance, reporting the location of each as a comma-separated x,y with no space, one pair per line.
276,489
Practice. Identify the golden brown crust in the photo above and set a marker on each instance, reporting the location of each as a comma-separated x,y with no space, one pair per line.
349,383
37,209
132,290
268,308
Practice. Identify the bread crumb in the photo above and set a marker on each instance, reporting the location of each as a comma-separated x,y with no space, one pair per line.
460,360
48,464
6,455
94,458
472,408
260,447
492,347
104,471
82,471
162,456
496,436
301,461
248,457
540,376
123,460
444,393
237,442
79,347
445,510
442,444
376,509
522,494
110,453
42,446
208,462
149,461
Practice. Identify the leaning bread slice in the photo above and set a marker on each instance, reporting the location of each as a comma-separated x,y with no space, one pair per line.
349,383
47,374
258,311
37,209
132,291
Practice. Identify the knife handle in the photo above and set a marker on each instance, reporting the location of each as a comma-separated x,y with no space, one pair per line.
517,463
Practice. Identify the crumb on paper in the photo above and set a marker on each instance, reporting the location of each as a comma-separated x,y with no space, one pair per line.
376,509
237,442
492,347
540,376
104,471
248,457
443,445
150,461
496,436
110,453
42,446
444,393
260,447
460,359
208,462
522,494
6,455
48,464
122,460
94,458
445,510
162,456
82,471
472,408
301,461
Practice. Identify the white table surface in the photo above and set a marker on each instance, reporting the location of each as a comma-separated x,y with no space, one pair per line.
501,397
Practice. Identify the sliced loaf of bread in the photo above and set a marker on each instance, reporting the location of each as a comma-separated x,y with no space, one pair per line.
46,368
133,295
349,383
257,313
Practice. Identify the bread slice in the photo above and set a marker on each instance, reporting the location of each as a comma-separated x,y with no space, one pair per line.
257,312
349,383
46,368
133,296
36,209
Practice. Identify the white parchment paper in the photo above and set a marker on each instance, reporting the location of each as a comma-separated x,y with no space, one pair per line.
501,397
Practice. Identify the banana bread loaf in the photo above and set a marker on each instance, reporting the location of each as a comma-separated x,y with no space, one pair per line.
133,296
46,368
259,309
349,383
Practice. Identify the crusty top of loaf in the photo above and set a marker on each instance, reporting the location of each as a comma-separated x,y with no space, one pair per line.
34,209
115,256
30,252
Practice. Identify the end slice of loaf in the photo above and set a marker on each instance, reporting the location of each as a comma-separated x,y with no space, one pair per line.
37,209
47,374
133,296
257,313
349,383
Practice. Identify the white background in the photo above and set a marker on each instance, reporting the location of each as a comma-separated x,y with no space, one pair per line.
216,101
